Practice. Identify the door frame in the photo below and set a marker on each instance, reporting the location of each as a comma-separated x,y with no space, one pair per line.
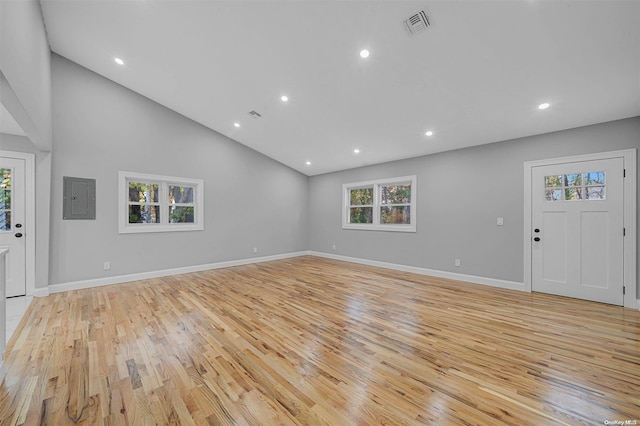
629,214
30,216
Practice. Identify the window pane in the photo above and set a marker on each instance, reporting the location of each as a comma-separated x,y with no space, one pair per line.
143,193
179,214
5,220
5,180
573,180
572,194
595,193
553,194
395,194
594,178
5,199
395,215
553,181
180,194
361,197
144,214
361,215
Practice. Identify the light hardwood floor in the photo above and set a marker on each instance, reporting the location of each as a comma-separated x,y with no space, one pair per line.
315,341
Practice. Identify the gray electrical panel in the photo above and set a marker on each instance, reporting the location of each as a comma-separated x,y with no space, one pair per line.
79,198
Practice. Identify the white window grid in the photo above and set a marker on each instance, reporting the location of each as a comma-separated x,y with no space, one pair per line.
377,187
163,182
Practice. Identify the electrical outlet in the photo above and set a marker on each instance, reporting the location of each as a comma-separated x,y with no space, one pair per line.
255,249
457,262
500,221
107,266
334,246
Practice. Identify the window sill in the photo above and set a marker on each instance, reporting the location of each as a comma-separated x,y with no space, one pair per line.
145,228
387,228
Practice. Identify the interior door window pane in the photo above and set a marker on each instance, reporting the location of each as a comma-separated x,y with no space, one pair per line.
574,179
595,193
553,181
5,200
573,194
553,194
594,178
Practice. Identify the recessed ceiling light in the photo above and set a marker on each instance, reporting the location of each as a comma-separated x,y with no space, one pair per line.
364,53
236,124
429,133
284,98
118,61
356,151
544,105
308,163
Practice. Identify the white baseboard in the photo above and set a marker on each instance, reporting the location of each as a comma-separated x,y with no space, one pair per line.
511,285
40,292
119,279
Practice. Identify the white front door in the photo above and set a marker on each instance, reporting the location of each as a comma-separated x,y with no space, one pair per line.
577,222
12,216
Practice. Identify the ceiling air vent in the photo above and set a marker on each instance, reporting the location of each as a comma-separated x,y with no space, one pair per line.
255,114
417,23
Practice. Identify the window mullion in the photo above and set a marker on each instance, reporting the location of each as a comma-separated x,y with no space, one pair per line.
376,204
164,203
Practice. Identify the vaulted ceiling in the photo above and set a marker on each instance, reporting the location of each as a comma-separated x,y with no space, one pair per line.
475,75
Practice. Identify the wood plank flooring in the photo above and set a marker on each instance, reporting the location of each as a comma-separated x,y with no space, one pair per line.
310,341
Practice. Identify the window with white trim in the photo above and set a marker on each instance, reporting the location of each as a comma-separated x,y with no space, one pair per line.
382,205
154,203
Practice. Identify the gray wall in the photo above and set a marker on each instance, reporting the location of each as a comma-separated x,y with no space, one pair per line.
25,67
101,128
43,185
460,195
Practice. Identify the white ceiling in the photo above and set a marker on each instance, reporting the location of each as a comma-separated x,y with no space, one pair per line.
475,76
8,124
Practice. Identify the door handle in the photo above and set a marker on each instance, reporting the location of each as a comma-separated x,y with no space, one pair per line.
18,234
536,239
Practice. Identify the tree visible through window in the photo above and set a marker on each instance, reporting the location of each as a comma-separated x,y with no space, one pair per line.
5,199
361,205
387,205
160,203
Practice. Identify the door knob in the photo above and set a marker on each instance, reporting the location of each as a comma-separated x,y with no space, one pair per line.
18,234
536,239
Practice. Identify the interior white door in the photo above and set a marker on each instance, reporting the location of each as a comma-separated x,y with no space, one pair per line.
12,229
577,230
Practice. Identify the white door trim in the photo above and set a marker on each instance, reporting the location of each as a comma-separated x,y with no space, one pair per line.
630,184
30,216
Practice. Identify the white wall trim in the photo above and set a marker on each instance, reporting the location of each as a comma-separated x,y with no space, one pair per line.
41,292
493,282
630,191
30,215
119,279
